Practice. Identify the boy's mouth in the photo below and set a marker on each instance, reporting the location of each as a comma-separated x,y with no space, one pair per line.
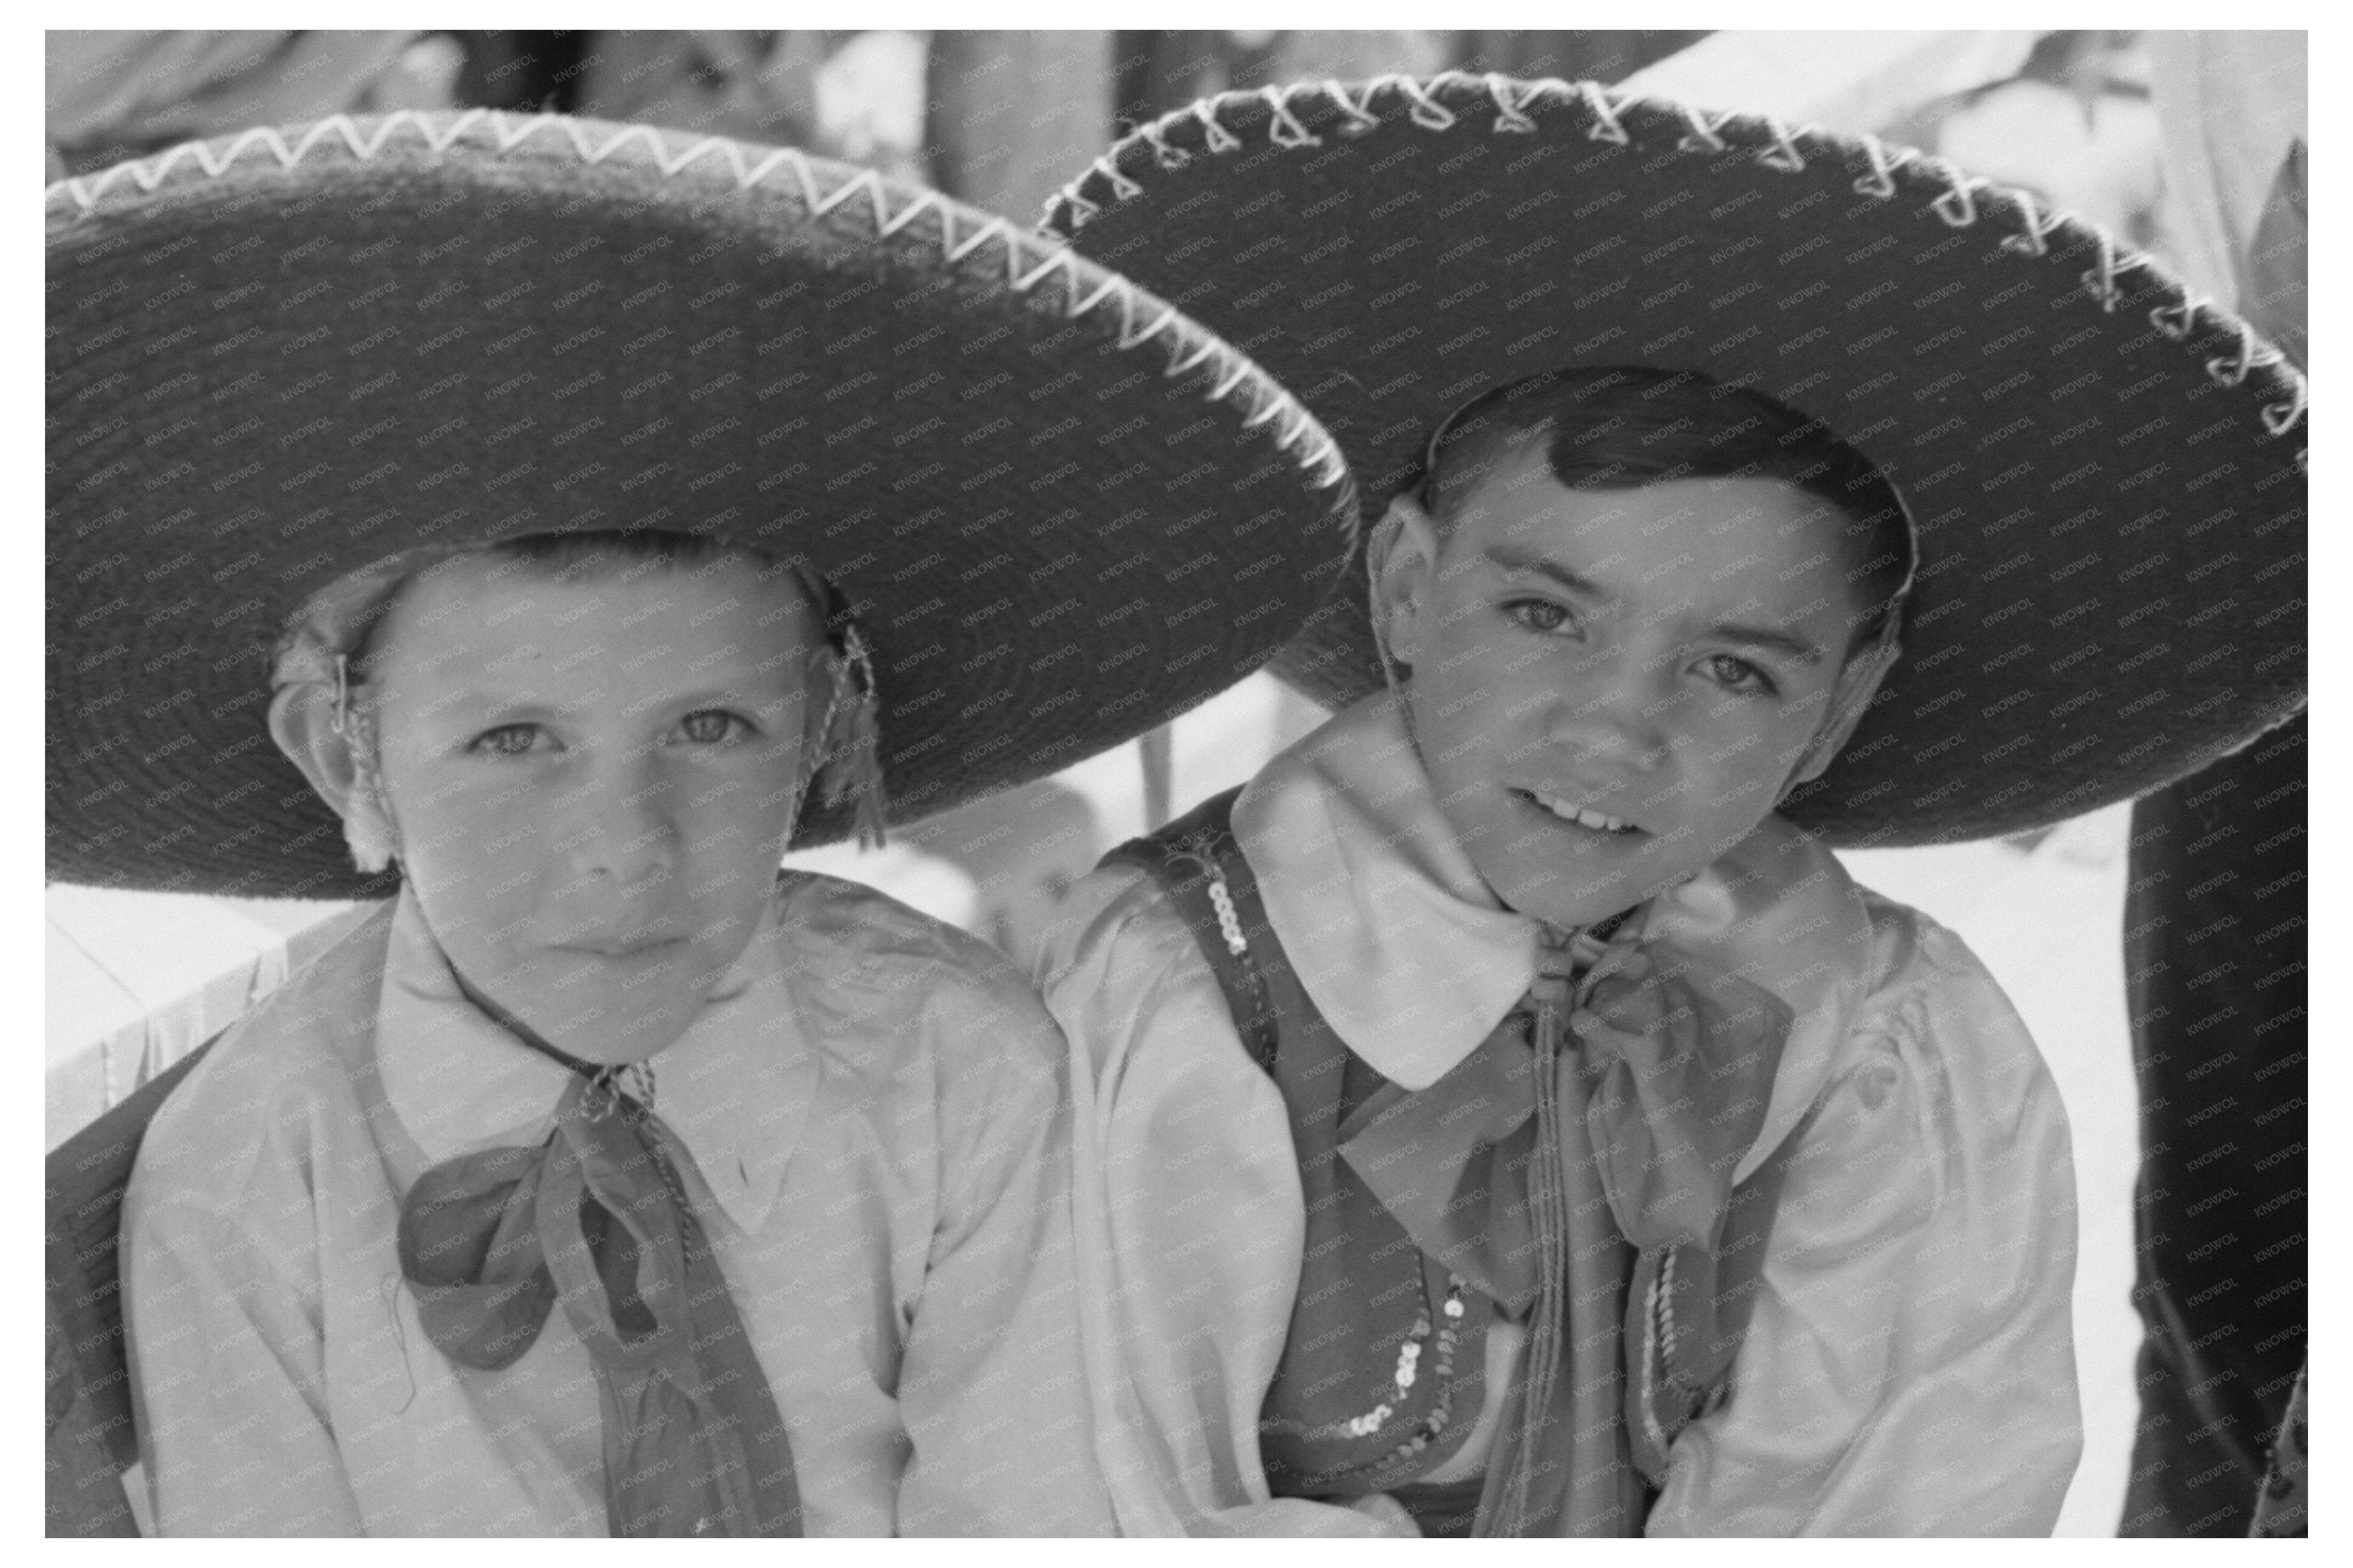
624,947
1573,812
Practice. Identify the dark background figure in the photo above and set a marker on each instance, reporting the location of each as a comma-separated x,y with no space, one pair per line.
2214,920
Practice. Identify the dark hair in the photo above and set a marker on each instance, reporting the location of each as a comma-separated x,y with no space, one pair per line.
1624,426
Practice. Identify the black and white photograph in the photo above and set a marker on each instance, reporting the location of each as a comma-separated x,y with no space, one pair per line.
1349,783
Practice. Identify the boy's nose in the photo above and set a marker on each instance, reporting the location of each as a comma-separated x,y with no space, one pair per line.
619,827
1621,718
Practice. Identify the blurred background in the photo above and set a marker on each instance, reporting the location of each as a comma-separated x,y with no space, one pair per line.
1001,119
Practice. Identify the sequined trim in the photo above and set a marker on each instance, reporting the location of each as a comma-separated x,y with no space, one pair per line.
1448,1327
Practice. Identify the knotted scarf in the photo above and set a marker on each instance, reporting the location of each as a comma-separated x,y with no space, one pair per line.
1670,1060
598,1217
1676,1069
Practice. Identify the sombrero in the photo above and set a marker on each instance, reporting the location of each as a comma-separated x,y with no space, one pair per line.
276,358
2106,473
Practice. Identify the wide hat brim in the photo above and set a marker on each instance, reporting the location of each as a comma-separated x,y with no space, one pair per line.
277,358
2106,473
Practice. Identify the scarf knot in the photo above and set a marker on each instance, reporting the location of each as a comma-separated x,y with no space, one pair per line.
597,1218
1680,1056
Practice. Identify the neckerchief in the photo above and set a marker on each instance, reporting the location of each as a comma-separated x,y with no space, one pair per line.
598,1217
1677,1064
1616,1103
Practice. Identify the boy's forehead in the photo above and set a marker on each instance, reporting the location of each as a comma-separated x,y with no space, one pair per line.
507,619
1522,501
1711,547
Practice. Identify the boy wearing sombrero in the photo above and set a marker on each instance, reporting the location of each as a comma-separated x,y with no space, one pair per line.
562,518
1505,1116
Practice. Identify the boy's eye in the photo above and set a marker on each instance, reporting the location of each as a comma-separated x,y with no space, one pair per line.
508,739
1538,614
1736,673
713,726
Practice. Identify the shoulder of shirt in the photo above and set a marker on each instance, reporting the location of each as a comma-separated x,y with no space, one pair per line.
254,1100
1126,979
1120,915
877,970
1919,972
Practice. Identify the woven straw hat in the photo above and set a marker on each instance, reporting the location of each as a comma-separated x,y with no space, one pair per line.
2106,473
281,357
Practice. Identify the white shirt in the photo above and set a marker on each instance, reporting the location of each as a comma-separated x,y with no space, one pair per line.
1909,1367
874,1109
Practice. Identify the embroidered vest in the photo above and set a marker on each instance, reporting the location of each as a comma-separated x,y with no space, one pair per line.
1382,1375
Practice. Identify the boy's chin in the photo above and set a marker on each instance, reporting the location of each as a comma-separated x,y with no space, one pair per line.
1571,906
603,1009
1568,898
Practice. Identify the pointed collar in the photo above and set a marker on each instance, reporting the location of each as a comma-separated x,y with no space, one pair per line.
1413,961
736,1086
1389,927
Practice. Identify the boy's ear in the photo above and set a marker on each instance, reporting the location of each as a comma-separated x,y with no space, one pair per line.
302,722
1858,683
1401,558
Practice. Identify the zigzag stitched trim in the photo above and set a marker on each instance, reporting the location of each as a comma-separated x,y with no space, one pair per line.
1959,205
1360,119
1783,154
1509,118
2032,239
508,131
1881,180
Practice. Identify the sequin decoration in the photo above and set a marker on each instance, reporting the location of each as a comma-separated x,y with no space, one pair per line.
1448,1340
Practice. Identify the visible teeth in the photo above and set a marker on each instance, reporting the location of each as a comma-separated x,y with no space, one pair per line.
1583,817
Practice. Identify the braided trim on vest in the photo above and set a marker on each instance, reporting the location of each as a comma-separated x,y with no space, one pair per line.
1189,859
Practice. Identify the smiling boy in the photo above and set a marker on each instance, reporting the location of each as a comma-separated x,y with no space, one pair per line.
1534,899
1536,597
1507,1116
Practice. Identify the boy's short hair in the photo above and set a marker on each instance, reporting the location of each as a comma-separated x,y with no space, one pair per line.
591,553
1624,426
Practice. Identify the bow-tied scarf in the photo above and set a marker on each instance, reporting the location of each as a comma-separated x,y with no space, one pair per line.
1673,1058
597,1218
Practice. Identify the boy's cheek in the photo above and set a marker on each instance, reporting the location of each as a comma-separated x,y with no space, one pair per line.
738,813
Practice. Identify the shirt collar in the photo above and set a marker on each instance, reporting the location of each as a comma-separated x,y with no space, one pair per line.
1396,937
735,1087
1413,961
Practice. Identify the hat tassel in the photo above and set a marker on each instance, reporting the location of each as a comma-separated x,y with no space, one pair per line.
369,831
861,767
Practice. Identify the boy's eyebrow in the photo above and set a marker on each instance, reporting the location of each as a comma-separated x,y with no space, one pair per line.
747,694
1802,649
1512,560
